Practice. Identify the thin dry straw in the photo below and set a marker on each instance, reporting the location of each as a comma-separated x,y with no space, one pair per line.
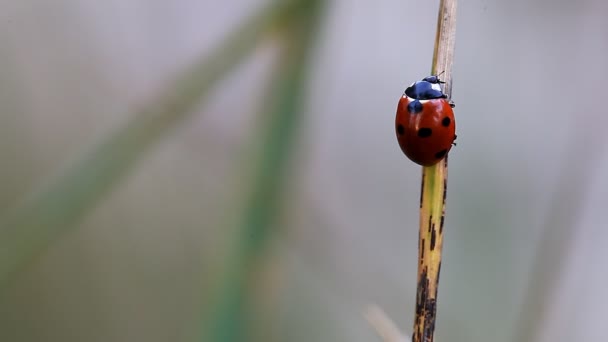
433,192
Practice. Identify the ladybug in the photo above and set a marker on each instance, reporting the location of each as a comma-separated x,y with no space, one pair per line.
425,123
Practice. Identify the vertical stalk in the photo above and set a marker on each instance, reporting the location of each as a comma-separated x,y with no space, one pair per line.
433,191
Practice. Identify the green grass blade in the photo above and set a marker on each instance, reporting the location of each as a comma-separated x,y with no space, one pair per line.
230,312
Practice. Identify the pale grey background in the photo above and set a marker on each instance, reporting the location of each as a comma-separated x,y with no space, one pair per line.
529,84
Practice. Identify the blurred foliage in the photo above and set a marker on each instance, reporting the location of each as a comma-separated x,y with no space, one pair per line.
30,226
348,237
230,317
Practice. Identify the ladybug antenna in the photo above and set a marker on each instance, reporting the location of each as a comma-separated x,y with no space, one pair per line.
439,74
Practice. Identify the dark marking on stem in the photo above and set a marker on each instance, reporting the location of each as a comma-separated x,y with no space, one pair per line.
441,224
430,222
433,238
422,190
422,295
438,273
445,189
422,247
426,309
429,319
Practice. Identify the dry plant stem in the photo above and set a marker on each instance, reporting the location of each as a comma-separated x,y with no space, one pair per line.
433,192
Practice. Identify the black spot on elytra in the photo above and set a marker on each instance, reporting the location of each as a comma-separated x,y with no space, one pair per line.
400,129
446,122
440,154
425,132
414,107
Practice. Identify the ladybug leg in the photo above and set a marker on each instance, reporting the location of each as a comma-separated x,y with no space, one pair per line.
452,104
454,142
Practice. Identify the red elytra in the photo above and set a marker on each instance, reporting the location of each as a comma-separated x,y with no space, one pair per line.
425,123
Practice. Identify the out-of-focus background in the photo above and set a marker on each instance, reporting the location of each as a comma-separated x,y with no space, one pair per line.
160,246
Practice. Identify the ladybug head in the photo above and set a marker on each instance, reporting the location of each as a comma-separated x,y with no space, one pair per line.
434,79
427,89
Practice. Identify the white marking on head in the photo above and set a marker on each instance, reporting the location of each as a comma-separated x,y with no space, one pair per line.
436,86
413,99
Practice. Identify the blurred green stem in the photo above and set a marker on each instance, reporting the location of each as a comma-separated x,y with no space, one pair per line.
31,226
231,313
